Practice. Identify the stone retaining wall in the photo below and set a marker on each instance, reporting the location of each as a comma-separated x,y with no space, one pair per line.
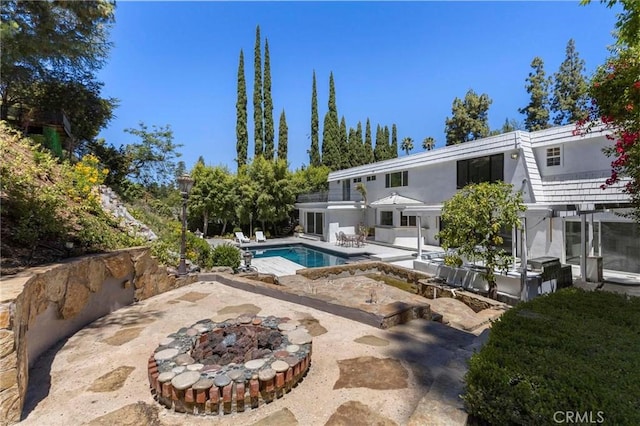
46,304
363,268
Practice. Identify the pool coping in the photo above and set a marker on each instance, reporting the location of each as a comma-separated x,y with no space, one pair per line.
338,253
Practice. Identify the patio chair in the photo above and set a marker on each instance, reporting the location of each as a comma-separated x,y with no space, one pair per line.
360,240
260,237
241,238
342,237
338,239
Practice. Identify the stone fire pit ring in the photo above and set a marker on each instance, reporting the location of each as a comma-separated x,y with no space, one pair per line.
220,368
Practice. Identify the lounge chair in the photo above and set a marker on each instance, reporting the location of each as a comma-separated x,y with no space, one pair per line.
260,236
241,238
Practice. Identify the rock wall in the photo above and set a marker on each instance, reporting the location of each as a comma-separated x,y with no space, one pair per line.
49,303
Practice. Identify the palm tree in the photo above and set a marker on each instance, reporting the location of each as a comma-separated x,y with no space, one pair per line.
407,144
428,143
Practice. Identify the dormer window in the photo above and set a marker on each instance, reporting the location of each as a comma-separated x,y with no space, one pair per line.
553,156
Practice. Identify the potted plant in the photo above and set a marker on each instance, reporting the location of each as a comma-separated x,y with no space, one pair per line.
297,231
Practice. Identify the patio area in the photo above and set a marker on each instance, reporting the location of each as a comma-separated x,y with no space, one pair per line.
408,374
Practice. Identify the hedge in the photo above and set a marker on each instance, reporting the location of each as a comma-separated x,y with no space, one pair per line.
572,354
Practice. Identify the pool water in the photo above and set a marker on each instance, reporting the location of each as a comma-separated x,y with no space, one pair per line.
305,256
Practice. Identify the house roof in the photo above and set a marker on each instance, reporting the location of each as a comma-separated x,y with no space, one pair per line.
395,200
505,142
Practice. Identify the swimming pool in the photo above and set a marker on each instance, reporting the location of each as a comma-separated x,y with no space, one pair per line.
305,256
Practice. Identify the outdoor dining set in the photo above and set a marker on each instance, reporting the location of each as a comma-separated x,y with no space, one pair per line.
350,240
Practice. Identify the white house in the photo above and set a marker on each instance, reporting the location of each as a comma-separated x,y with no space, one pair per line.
560,173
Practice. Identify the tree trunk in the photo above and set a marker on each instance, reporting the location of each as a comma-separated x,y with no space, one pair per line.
224,227
205,225
493,291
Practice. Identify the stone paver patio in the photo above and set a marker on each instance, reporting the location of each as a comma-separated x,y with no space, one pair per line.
358,372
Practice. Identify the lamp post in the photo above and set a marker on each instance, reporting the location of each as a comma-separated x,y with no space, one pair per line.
185,183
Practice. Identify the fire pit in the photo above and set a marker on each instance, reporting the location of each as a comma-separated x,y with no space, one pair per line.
221,368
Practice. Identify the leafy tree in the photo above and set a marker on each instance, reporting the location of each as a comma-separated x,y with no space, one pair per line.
314,150
268,106
343,147
283,137
51,41
394,141
331,131
469,120
113,159
569,101
615,89
81,102
152,160
369,156
476,236
245,192
242,135
258,124
201,201
407,144
310,179
428,143
274,196
537,112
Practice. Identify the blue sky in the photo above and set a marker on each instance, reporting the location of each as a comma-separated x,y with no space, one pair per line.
176,63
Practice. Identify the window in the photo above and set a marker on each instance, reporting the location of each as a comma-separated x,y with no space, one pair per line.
396,179
407,220
370,178
553,156
346,190
482,169
356,180
314,223
386,218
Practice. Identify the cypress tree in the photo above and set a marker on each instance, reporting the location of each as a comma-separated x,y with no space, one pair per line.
242,136
353,148
387,143
360,151
380,150
314,151
258,136
343,147
283,137
537,112
268,106
394,141
368,156
331,131
569,102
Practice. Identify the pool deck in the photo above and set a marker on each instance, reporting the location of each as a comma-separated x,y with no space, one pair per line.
282,267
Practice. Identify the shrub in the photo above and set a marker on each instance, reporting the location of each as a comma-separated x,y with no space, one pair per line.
571,351
237,229
199,251
226,255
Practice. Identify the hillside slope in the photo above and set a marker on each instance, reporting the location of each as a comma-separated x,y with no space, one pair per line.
47,205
